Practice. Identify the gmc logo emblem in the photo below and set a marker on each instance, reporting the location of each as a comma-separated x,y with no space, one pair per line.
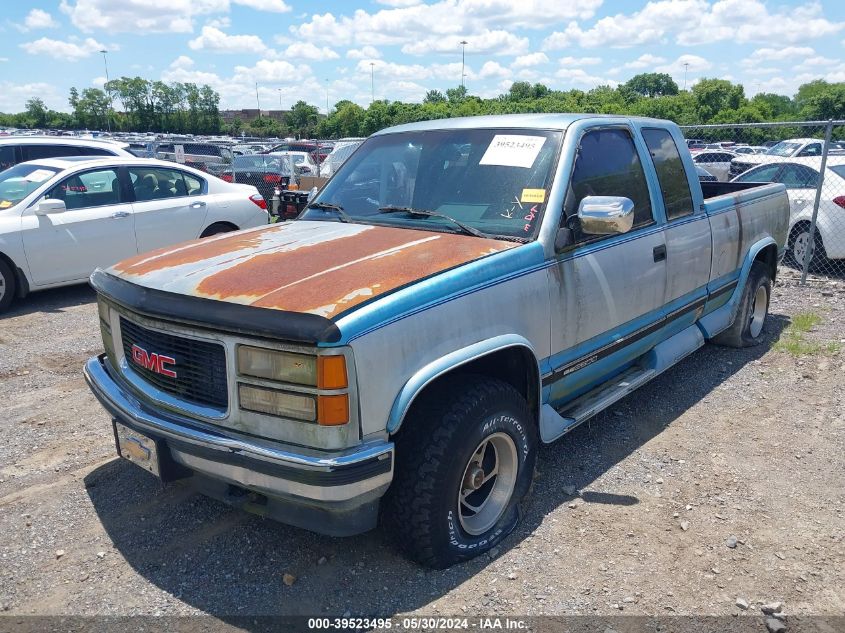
154,362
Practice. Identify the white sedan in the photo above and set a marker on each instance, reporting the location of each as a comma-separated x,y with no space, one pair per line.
801,177
60,218
716,161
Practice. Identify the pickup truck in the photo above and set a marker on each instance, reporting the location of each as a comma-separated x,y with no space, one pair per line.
460,291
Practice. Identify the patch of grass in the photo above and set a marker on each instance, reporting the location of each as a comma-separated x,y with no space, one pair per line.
804,322
793,341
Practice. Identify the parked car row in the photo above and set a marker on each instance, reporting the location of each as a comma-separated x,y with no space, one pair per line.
801,177
67,213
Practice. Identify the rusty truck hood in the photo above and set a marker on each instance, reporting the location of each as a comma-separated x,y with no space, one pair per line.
321,268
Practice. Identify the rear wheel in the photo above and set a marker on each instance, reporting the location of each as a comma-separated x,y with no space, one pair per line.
800,241
7,286
465,461
217,228
747,328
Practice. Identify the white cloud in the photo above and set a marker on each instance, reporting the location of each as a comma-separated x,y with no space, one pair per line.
214,40
39,19
644,61
690,22
66,51
579,77
485,43
275,6
778,54
579,61
695,64
532,59
307,50
399,3
493,69
270,71
366,52
457,19
13,96
183,61
139,16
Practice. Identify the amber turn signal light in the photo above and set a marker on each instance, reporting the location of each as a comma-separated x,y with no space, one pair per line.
333,410
331,372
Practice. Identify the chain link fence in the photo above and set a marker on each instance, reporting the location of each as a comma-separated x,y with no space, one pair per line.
809,158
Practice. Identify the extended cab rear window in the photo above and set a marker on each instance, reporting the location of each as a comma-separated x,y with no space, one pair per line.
674,187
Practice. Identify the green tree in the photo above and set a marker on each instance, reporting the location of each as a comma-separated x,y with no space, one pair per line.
36,112
434,96
714,95
302,119
652,85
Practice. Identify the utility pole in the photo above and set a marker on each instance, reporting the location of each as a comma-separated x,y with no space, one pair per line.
373,82
686,67
108,90
463,61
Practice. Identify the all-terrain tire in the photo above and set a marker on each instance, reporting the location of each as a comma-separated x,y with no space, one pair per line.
438,439
747,330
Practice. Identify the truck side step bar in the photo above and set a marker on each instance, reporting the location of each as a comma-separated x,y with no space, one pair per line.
555,423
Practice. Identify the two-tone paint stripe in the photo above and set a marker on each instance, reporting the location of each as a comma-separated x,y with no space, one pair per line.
603,352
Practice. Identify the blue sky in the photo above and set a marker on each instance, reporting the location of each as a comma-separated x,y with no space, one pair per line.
297,49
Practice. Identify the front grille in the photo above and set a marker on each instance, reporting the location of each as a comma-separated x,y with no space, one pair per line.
200,366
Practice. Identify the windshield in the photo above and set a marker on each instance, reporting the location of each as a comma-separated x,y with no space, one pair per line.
839,170
784,149
17,182
493,181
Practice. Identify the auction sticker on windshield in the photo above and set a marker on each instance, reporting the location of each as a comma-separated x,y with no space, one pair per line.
513,150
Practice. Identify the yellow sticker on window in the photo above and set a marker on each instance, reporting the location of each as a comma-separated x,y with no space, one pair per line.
5,204
533,195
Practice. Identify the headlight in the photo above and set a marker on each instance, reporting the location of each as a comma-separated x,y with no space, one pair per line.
275,365
280,403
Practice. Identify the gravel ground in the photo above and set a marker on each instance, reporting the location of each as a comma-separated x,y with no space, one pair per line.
718,484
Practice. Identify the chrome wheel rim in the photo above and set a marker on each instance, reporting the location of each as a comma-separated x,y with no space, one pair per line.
758,311
801,245
487,484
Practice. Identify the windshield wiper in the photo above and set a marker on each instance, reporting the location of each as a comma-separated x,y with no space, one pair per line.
465,228
342,215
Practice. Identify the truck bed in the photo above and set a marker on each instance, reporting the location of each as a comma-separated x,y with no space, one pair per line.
715,189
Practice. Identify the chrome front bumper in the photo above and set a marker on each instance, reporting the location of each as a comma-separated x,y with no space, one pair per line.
318,491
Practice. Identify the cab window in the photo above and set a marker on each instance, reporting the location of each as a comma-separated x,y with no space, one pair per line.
608,165
674,187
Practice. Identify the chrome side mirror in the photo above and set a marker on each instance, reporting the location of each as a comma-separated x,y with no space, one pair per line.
606,215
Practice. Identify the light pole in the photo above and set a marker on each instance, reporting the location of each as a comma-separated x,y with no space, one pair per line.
686,67
327,97
463,60
373,81
257,102
280,101
108,90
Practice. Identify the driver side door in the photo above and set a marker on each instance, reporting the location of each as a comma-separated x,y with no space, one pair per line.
607,292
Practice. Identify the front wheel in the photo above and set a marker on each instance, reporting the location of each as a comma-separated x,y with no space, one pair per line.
465,461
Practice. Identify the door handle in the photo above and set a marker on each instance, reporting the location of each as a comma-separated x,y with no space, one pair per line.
120,214
199,204
659,253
